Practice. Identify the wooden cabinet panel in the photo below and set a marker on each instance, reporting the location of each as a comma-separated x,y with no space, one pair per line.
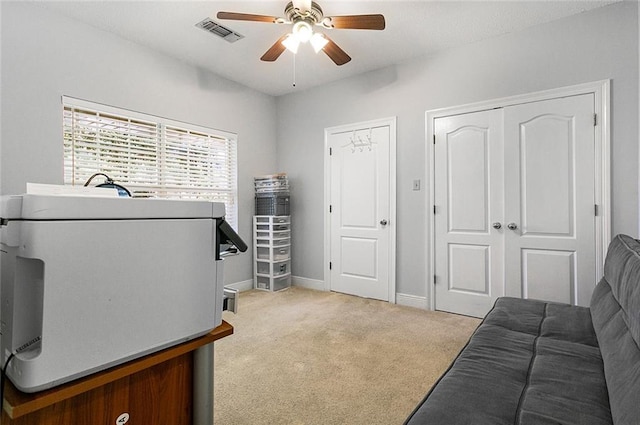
161,394
156,389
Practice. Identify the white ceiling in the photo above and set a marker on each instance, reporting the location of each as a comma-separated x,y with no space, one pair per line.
413,28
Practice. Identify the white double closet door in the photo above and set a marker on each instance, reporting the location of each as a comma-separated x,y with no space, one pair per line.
514,197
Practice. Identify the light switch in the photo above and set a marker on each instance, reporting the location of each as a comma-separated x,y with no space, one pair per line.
416,185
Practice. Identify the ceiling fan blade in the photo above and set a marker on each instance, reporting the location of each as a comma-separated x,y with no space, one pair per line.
337,55
246,17
357,22
274,51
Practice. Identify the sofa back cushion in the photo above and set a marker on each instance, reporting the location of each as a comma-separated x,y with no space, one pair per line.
615,312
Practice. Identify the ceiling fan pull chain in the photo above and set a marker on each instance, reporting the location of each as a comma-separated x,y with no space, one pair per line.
294,70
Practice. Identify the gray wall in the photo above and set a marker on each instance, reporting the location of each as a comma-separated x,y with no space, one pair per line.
45,56
596,45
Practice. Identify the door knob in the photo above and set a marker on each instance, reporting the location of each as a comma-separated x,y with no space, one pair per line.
512,226
383,222
497,225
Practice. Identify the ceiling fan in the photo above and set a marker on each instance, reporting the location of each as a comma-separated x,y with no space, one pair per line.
303,15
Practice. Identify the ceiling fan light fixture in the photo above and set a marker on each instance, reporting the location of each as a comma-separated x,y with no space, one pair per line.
318,41
291,43
303,31
303,15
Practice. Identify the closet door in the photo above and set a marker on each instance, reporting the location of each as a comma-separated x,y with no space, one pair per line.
515,198
549,188
469,212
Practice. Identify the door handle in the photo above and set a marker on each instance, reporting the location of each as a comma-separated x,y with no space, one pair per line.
383,222
497,225
512,226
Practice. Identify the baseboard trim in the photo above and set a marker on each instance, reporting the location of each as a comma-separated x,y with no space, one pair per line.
245,285
304,282
412,301
318,285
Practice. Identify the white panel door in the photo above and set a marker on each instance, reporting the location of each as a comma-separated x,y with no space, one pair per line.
360,207
469,200
550,185
515,197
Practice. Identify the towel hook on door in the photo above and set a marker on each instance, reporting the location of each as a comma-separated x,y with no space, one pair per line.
357,141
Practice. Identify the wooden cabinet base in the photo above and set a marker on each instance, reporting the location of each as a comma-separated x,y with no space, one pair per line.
156,389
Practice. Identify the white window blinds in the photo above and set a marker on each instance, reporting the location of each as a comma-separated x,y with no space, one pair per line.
151,156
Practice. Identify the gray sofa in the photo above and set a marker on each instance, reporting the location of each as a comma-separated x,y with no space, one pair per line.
536,362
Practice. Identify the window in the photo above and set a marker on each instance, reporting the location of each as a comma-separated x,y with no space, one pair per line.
151,156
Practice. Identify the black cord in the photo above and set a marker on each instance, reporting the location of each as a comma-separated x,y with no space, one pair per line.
3,375
2,379
109,179
110,183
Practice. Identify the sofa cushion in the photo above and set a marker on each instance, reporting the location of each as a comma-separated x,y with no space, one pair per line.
568,323
529,362
615,311
566,385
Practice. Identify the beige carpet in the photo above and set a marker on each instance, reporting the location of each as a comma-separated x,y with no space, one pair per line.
307,357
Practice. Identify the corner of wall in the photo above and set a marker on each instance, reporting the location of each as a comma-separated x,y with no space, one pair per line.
414,301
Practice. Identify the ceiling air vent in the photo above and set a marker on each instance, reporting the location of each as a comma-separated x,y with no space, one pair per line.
213,27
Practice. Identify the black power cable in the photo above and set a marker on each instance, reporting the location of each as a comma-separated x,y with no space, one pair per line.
110,183
3,375
2,380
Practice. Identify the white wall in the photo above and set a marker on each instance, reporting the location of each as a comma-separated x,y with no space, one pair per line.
45,56
597,45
